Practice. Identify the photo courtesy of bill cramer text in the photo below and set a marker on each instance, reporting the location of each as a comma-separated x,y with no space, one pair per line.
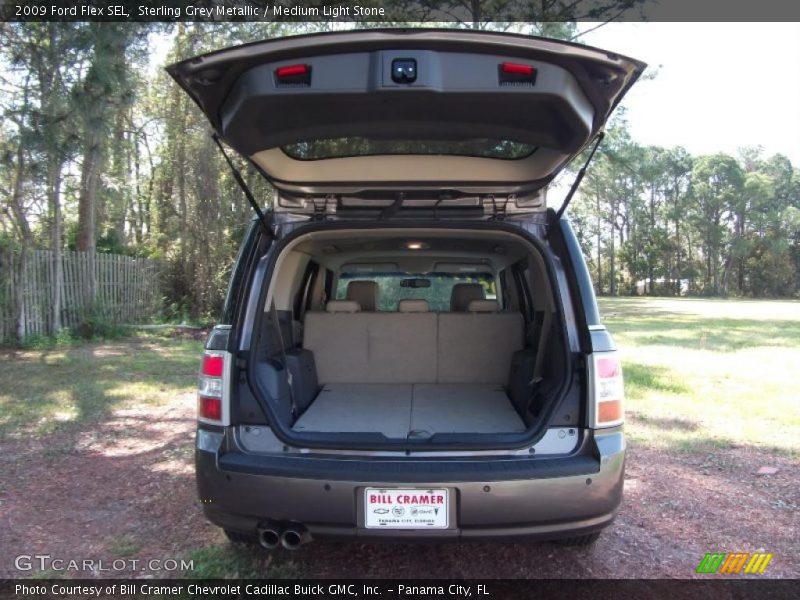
391,589
84,589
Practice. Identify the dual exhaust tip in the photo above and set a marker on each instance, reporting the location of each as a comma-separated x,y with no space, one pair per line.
290,537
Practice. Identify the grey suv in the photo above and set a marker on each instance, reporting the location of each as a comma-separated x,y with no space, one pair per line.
411,347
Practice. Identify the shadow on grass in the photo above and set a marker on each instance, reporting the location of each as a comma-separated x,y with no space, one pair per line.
104,498
640,378
679,435
65,389
716,335
666,423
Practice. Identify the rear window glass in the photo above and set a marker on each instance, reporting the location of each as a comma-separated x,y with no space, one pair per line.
390,290
359,146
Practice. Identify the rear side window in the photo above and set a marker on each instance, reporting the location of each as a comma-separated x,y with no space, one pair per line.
391,289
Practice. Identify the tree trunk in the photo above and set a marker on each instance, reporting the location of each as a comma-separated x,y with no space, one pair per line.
181,166
19,275
612,268
678,271
90,174
740,260
715,271
650,266
56,285
87,235
725,271
599,249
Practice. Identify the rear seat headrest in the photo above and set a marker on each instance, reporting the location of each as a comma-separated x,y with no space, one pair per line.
463,293
365,293
412,305
342,306
483,306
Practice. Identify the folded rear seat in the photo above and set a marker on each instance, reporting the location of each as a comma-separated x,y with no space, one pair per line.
477,346
351,346
413,345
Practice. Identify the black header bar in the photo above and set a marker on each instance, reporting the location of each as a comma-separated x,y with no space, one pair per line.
398,11
397,589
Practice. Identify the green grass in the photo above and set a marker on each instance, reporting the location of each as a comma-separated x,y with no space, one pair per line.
226,561
68,387
124,545
706,374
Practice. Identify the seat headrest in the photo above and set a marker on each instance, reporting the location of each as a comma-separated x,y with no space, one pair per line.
463,294
342,306
365,293
483,306
413,305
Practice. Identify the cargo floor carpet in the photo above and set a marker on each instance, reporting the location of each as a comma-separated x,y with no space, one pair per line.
418,410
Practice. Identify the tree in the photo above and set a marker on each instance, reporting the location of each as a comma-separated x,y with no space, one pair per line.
717,186
678,170
52,53
106,92
43,58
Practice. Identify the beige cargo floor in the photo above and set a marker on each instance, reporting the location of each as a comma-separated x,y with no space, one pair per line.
419,410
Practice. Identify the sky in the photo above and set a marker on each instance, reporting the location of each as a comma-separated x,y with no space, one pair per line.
718,86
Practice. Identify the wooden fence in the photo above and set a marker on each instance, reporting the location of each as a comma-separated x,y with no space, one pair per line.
114,288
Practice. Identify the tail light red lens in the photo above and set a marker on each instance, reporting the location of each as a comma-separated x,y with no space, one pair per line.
292,71
293,75
515,74
211,392
210,408
608,389
516,69
212,365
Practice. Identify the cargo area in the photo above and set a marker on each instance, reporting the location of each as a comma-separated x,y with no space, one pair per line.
399,410
384,336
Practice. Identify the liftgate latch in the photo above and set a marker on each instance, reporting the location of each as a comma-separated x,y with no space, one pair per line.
324,206
498,208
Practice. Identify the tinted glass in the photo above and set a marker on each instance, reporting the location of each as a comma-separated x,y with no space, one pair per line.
390,291
359,146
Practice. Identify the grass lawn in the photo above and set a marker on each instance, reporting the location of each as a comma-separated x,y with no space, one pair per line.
701,374
68,387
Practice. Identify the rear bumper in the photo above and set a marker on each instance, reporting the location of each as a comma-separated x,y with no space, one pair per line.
491,498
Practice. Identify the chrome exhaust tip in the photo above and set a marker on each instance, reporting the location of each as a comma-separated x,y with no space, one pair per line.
269,537
294,537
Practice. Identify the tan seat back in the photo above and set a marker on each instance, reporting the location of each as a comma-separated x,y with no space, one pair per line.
413,346
372,347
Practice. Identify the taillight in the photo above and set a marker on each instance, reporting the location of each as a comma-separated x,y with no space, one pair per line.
516,68
211,393
213,365
211,408
294,74
510,73
608,389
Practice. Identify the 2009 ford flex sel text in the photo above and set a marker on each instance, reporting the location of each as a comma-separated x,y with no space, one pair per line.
410,346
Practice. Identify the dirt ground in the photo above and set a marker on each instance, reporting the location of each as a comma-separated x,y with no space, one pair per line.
124,488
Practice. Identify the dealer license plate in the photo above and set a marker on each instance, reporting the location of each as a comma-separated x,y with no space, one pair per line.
406,508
